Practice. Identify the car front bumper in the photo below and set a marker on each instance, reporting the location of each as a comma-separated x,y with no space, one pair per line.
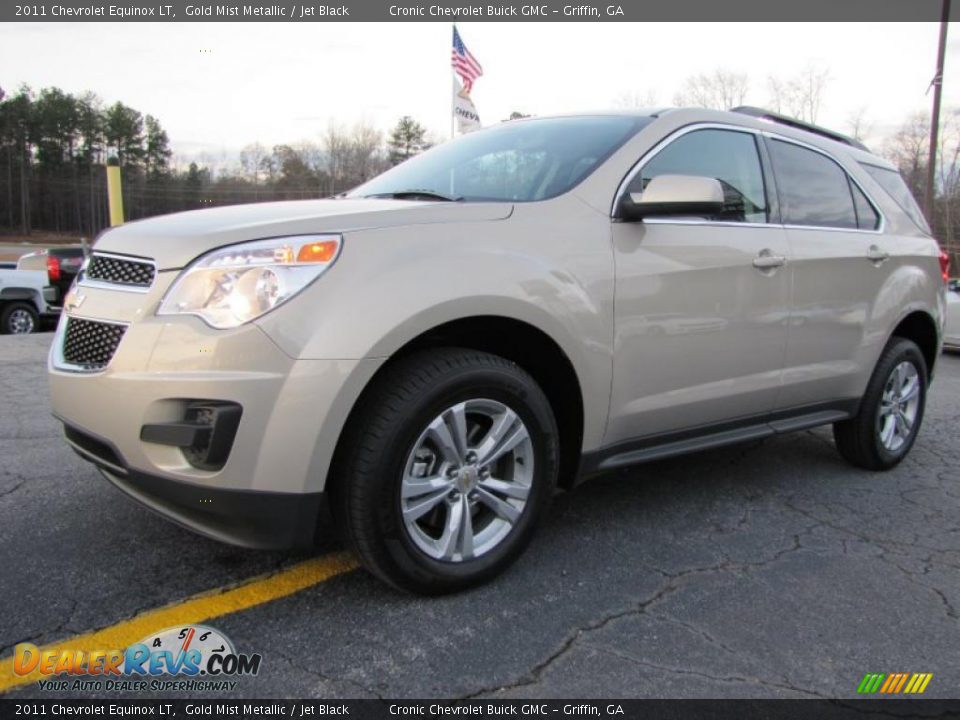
269,490
252,519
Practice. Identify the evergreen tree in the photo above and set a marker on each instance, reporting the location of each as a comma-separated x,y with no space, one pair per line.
407,139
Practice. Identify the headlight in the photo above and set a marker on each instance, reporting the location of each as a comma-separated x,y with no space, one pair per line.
239,283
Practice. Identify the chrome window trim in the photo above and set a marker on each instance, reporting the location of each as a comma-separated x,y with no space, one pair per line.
873,203
671,138
58,361
680,132
82,280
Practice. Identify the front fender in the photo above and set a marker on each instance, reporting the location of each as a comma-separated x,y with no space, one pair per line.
392,285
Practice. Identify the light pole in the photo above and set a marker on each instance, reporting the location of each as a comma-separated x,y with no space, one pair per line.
935,118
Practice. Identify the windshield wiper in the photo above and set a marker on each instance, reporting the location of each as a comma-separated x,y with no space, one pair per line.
415,193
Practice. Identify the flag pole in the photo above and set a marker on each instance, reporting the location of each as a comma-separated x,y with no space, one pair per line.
453,92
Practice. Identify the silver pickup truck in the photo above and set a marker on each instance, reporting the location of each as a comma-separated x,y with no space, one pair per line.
26,298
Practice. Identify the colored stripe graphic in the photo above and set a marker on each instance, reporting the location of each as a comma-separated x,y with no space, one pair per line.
891,680
870,683
894,683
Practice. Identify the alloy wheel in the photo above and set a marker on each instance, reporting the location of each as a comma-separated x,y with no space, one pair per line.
466,480
899,405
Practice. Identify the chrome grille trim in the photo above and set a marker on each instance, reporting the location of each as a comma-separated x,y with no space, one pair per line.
86,346
118,272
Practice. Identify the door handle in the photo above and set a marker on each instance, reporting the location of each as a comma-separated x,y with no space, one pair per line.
766,260
875,254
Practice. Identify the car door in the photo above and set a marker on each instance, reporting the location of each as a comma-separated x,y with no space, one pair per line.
701,304
838,264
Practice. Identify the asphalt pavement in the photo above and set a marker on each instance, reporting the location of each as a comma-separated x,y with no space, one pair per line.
766,570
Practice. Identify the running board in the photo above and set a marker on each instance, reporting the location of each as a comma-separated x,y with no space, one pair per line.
710,440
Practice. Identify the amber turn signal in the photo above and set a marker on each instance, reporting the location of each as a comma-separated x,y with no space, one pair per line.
318,252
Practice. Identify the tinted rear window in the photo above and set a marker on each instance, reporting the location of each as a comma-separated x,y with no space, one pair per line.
867,216
892,182
813,189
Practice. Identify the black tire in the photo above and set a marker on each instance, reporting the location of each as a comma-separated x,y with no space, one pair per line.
859,438
383,434
17,316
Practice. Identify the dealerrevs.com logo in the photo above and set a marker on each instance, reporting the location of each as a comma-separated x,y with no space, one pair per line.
188,658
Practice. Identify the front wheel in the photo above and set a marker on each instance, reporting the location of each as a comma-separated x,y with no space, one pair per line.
891,411
445,472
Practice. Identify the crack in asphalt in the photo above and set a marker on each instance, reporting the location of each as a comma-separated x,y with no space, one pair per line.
676,582
327,678
13,489
34,638
885,548
735,679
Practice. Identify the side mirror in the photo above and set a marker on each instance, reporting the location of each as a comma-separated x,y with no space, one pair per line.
667,195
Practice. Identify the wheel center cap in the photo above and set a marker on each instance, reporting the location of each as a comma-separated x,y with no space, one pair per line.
467,479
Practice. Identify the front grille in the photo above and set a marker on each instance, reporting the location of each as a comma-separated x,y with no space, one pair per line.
119,271
91,344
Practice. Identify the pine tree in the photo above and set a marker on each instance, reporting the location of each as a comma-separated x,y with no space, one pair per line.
407,139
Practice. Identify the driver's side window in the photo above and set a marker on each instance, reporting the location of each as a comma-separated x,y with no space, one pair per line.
727,155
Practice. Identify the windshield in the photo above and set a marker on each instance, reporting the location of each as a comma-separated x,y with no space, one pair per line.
513,162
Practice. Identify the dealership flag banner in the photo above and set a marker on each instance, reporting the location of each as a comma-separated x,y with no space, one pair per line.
464,110
465,65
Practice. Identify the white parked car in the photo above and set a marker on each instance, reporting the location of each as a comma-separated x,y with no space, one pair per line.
951,331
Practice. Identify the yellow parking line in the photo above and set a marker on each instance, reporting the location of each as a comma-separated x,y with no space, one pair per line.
194,610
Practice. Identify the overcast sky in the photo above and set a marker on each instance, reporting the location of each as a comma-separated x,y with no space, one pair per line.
217,87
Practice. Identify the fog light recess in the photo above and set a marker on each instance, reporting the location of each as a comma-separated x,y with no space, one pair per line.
205,434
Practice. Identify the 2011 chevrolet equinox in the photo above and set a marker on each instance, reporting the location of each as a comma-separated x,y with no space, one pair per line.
441,347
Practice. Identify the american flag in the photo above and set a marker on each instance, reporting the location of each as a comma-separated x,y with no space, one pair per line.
464,64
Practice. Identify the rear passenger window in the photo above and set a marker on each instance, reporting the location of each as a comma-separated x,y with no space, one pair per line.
730,157
813,189
867,216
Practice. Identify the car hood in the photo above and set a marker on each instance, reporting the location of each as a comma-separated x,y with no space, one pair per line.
174,240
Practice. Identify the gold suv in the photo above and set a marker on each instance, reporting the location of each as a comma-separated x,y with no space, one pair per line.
437,350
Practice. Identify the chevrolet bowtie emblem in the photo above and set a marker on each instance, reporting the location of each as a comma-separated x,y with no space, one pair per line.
75,301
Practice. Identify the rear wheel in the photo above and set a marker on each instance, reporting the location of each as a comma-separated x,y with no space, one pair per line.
446,470
891,411
19,318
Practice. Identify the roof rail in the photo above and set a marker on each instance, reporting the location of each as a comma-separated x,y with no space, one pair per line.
799,125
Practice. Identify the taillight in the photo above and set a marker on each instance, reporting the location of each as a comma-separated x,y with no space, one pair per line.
53,269
944,266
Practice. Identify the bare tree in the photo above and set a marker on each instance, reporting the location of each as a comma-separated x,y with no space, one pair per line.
720,90
907,149
632,99
367,157
948,175
251,160
337,149
800,96
857,125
